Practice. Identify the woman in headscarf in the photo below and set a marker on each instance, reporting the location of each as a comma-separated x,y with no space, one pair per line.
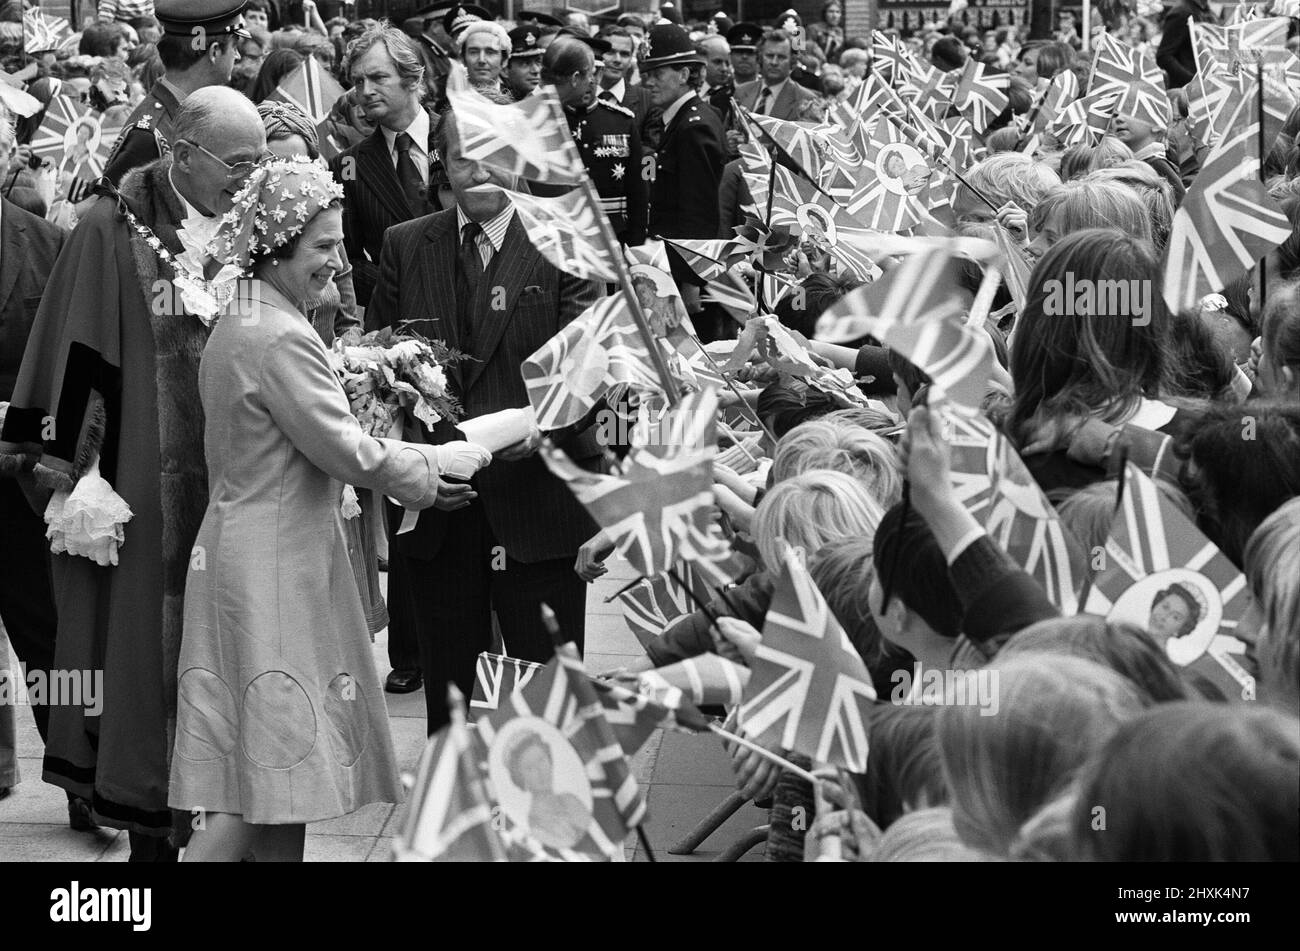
290,133
281,720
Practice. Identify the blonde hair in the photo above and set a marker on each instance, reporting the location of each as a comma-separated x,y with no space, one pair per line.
1054,712
926,835
1079,205
1272,561
811,510
841,446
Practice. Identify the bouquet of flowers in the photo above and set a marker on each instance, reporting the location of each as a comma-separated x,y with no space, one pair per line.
386,374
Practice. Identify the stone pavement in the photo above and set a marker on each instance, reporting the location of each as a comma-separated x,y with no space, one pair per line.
684,776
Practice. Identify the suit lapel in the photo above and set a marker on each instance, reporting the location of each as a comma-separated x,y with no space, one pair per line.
11,251
783,108
512,265
375,169
438,283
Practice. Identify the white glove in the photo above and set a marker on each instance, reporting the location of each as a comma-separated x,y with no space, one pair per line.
460,460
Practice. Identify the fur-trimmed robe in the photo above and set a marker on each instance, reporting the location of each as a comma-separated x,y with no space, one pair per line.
113,361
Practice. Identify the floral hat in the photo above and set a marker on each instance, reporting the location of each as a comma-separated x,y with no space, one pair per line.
272,209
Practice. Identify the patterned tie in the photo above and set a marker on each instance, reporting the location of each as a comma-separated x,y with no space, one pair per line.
408,175
763,97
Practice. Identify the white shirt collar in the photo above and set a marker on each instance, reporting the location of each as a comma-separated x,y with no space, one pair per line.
676,107
190,210
493,228
418,130
775,93
618,90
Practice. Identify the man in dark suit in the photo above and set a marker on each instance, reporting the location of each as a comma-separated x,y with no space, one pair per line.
393,175
774,93
616,85
389,177
28,248
507,540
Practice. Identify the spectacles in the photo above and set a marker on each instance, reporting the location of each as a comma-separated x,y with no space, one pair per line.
238,171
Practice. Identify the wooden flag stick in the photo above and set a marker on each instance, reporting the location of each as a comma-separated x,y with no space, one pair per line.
1263,262
625,281
645,843
747,411
781,761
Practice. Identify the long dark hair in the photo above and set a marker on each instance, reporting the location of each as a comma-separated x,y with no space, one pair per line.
1245,464
1087,365
276,65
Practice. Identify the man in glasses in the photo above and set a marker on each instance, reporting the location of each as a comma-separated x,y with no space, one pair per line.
198,49
110,380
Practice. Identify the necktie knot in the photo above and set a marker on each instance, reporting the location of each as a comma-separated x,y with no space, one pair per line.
763,98
470,232
403,142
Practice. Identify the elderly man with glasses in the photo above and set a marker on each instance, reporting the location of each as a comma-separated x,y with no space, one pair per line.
108,390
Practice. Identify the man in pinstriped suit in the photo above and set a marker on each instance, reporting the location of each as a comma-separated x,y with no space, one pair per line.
507,540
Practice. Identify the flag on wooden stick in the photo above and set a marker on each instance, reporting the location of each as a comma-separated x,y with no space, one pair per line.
810,692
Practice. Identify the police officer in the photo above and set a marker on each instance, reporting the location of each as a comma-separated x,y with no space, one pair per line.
198,48
523,73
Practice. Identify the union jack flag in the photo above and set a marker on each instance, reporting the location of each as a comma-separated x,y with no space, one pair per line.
810,691
74,139
657,505
1118,67
529,138
598,349
498,676
981,96
1229,59
889,58
708,257
653,605
817,217
311,89
1163,575
1227,221
1085,121
634,716
449,818
917,308
46,33
894,174
995,487
580,807
1061,91
730,292
1015,269
566,231
930,90
707,680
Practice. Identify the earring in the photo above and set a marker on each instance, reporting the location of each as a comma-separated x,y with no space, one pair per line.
275,262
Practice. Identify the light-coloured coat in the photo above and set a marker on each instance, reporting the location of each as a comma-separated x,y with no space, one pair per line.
281,716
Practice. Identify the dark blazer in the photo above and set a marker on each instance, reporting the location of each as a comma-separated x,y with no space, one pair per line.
1175,54
732,194
688,168
373,202
28,248
649,117
789,104
532,513
147,135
